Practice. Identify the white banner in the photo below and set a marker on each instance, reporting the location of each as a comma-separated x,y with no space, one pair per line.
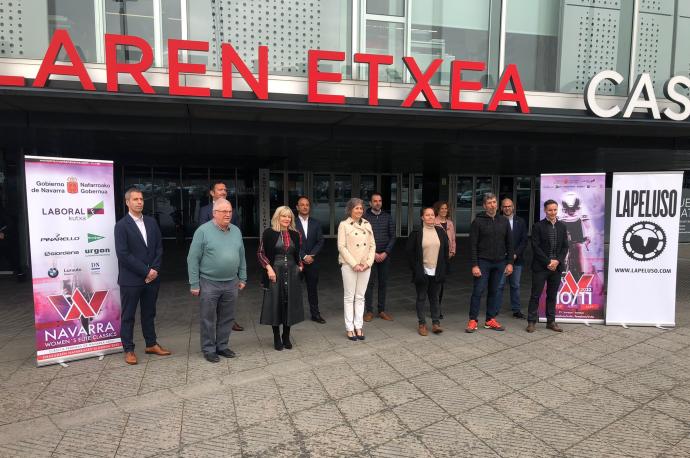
71,210
643,250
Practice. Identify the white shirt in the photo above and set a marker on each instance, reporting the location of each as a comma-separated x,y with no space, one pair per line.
140,225
510,220
305,225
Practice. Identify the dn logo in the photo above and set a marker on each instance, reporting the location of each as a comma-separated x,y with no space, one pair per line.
78,307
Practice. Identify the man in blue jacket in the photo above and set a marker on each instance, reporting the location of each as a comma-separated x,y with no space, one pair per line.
384,235
519,230
139,248
312,242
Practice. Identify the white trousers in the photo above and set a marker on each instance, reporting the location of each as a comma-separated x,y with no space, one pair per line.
354,286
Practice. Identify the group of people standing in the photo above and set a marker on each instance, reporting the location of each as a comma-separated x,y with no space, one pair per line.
289,251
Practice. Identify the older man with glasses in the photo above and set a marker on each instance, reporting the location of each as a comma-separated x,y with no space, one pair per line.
519,230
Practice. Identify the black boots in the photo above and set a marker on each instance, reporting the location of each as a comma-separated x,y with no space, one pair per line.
284,342
286,338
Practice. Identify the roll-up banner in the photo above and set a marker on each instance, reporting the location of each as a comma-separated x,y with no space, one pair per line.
581,199
643,248
71,211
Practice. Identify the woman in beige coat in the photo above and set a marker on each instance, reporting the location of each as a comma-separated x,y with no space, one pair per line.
356,249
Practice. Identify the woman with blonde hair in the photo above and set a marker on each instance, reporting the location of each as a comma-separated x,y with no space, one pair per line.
442,213
279,257
356,250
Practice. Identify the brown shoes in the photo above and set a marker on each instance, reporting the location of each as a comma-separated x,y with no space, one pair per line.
436,328
368,316
385,316
531,327
130,358
157,350
422,330
237,327
554,327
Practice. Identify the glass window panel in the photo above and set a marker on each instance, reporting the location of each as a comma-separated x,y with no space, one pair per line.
342,192
538,209
655,25
482,186
276,194
200,27
171,24
404,205
681,64
386,7
387,38
79,19
593,36
140,178
417,199
321,203
247,208
389,189
463,205
167,201
295,188
522,197
130,17
505,188
194,196
452,30
367,185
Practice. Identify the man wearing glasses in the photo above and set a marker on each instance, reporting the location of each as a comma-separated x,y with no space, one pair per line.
217,270
519,230
217,191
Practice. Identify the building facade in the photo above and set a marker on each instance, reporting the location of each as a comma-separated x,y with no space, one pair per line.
419,99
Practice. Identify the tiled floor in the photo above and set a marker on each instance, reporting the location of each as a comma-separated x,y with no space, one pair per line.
591,391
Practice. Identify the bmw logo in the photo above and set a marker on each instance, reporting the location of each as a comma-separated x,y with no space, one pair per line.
53,272
644,241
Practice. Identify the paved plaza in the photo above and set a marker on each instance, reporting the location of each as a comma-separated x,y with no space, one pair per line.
591,391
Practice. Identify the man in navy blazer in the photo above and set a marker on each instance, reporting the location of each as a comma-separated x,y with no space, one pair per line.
519,228
139,248
218,190
312,242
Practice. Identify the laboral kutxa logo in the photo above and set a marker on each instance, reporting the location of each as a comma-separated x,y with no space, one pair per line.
94,237
644,241
75,214
98,209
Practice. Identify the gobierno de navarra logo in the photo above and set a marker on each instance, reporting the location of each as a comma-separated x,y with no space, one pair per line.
644,241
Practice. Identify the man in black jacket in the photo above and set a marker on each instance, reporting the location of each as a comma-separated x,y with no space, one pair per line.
384,235
491,244
519,229
549,249
312,242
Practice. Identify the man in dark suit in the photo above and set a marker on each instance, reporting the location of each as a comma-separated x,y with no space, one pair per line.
549,250
218,190
139,248
312,242
519,230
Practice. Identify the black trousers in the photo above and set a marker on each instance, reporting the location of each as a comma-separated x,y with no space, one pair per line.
311,278
379,273
553,281
146,296
428,289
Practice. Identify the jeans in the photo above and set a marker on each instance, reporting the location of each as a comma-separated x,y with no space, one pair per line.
491,274
428,289
217,312
514,281
379,271
553,282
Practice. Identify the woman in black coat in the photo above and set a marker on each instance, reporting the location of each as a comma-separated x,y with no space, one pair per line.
427,253
279,256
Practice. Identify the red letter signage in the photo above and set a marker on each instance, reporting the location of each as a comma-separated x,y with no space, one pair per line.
510,75
48,67
175,67
314,76
231,58
457,84
373,61
422,80
113,68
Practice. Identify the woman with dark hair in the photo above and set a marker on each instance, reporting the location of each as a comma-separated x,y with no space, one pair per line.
279,257
442,212
427,253
356,250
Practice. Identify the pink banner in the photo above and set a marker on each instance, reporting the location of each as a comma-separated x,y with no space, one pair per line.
70,203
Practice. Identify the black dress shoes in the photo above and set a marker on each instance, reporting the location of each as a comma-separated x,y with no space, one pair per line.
211,357
318,319
227,353
519,315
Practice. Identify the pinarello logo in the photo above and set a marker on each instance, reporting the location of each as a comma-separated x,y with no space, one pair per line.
78,306
98,209
644,241
72,185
